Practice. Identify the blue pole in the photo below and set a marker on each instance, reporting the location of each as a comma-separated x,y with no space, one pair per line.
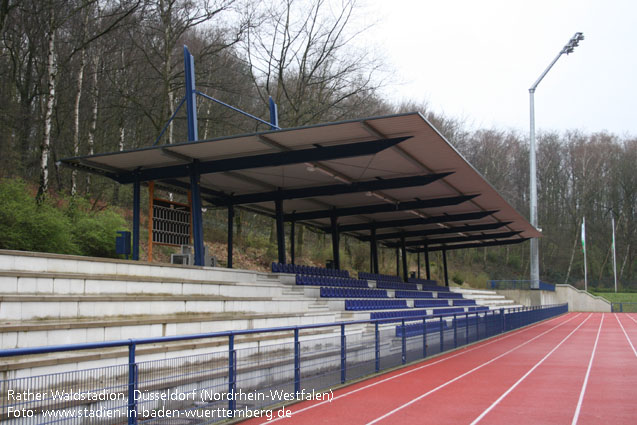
191,95
232,371
274,115
377,346
297,363
197,220
136,218
343,355
424,337
404,343
132,385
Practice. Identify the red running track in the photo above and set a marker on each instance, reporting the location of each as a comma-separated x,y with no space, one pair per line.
579,368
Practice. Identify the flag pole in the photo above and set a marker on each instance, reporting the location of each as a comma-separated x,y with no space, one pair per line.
584,250
612,223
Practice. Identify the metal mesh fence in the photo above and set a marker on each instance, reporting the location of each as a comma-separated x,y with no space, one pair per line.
241,378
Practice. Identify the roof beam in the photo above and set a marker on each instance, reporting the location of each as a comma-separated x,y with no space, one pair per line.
320,153
472,245
336,189
379,208
440,231
447,218
439,241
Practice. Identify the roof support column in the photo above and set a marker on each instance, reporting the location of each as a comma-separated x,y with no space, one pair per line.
403,252
280,230
427,267
197,219
292,256
230,233
444,265
374,250
336,256
136,218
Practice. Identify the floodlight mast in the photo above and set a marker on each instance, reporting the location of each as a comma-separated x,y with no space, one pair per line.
535,254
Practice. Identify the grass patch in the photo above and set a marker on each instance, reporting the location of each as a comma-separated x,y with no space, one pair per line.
619,297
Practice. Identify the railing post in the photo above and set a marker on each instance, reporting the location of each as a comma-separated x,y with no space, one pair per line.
455,331
442,336
343,355
377,346
232,371
424,337
466,328
404,343
132,385
297,362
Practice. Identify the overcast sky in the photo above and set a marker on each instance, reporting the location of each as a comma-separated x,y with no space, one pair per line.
476,59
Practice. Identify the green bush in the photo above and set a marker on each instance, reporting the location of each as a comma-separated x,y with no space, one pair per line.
458,278
27,226
70,229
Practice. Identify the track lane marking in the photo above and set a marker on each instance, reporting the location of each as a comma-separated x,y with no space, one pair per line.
626,335
467,373
459,353
519,381
588,372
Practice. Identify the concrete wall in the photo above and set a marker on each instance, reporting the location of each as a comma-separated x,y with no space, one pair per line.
577,299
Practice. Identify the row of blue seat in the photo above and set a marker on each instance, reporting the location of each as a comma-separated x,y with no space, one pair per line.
451,310
358,305
435,288
378,276
395,314
464,302
308,270
413,294
431,303
352,293
302,279
385,284
479,308
449,295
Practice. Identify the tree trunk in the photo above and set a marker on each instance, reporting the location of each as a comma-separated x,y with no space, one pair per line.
299,240
76,118
93,126
45,147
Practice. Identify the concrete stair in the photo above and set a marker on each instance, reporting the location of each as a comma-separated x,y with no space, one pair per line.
487,298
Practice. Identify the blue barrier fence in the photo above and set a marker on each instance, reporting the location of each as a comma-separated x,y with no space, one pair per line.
246,375
520,284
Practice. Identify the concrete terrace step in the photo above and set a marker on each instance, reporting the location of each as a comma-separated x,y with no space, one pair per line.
473,291
30,307
15,334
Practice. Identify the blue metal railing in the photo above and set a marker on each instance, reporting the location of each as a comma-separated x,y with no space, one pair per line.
520,284
294,364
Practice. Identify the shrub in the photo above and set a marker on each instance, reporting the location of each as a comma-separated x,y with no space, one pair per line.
27,226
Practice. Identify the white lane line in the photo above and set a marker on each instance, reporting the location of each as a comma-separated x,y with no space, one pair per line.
495,403
468,350
631,318
420,397
626,335
588,372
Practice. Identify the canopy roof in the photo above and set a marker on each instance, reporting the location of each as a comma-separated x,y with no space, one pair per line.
395,173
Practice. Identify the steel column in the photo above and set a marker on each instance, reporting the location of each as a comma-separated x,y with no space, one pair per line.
136,218
280,230
397,262
230,233
132,385
444,264
427,267
418,261
197,219
336,256
403,252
